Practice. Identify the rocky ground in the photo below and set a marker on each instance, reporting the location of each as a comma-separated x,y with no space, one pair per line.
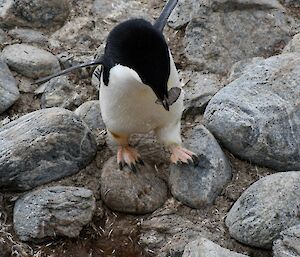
61,193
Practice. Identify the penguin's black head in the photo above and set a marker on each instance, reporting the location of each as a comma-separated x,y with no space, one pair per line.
138,45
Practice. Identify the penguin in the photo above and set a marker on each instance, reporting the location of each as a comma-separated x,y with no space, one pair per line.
140,89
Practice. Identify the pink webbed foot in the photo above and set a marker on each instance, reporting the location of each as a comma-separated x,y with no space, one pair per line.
182,155
128,156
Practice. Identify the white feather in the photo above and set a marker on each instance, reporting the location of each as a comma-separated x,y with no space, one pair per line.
128,106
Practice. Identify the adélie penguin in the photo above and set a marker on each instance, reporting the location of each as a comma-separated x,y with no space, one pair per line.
140,90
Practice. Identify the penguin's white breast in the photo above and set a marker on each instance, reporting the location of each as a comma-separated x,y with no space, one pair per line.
128,106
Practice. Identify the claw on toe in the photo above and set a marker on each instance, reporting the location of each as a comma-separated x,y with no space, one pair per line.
182,155
128,156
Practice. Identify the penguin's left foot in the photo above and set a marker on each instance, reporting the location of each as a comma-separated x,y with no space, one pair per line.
182,155
128,156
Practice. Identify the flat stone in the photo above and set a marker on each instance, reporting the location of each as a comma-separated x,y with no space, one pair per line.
90,113
267,207
34,13
166,233
256,116
9,92
198,186
54,211
259,28
29,36
288,244
203,247
293,45
30,61
125,191
43,146
59,92
198,91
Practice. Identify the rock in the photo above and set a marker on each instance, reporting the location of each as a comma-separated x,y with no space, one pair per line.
30,61
167,234
293,45
29,36
203,247
54,211
9,92
125,191
148,147
80,32
102,8
256,116
200,185
3,37
288,244
183,13
259,28
34,13
267,207
198,92
90,113
240,67
26,85
43,146
59,92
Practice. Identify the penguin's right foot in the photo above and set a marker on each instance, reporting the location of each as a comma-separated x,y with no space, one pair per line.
183,155
128,156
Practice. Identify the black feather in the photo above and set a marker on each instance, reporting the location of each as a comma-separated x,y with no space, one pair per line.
138,45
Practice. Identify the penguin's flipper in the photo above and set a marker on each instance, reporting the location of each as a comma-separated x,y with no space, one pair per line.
166,12
173,94
80,66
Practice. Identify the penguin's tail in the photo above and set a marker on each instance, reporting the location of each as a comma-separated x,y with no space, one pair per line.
166,12
76,67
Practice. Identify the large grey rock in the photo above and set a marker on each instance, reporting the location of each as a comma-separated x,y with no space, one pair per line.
266,208
288,244
30,61
239,67
29,36
203,247
90,113
34,13
43,146
59,92
132,192
198,186
223,32
54,211
293,45
9,92
256,116
183,13
198,91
